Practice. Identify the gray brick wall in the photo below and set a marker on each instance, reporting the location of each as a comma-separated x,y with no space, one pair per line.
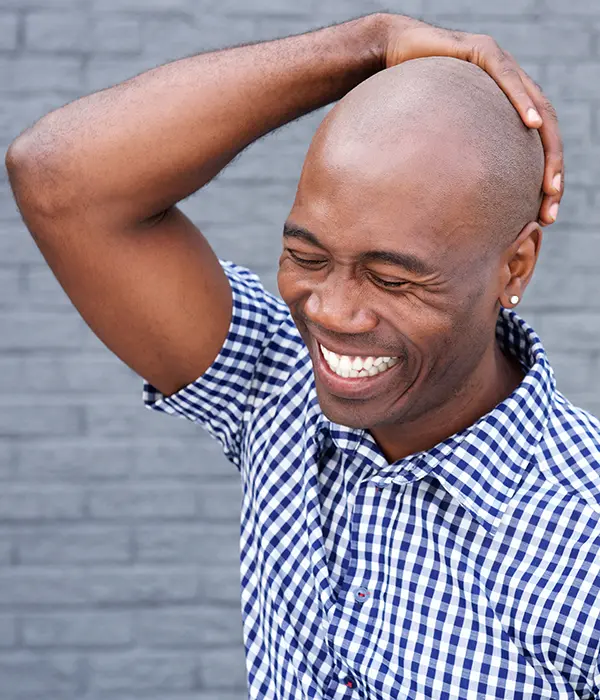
119,527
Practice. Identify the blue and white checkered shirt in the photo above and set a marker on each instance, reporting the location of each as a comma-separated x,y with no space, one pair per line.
470,570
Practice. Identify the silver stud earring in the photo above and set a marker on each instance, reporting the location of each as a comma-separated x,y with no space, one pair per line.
514,299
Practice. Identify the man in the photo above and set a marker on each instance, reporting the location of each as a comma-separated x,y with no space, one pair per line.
420,512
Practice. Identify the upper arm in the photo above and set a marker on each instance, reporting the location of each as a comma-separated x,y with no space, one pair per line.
155,294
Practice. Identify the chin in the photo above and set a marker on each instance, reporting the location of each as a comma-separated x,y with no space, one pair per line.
355,414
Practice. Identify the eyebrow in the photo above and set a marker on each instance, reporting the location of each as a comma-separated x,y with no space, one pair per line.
407,261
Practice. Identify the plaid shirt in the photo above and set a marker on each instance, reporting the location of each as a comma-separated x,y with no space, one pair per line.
470,570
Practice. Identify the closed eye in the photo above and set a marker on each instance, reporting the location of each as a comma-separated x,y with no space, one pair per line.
387,283
305,261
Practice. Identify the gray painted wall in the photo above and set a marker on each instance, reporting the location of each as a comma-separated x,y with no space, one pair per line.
118,526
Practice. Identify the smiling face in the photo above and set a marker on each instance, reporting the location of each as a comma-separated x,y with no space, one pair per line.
388,254
375,271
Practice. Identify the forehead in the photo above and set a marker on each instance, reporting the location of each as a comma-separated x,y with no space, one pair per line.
419,198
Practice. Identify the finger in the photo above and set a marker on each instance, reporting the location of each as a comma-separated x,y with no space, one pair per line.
548,210
506,72
553,184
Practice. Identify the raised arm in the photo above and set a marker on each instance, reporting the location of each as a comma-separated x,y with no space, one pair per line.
98,179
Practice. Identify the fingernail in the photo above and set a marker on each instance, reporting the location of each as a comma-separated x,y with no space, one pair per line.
533,115
556,182
553,211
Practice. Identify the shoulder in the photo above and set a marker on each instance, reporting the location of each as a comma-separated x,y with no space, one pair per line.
261,318
569,453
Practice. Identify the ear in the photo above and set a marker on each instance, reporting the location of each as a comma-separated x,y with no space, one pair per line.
519,263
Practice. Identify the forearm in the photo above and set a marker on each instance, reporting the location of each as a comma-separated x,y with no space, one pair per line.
139,147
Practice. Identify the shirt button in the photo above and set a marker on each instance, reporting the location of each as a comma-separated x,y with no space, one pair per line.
361,594
350,682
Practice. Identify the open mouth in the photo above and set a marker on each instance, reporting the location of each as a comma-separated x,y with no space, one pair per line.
353,366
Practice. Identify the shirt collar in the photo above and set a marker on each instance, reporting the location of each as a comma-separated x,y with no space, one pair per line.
483,465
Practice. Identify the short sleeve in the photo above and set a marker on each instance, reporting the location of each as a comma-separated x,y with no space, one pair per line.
259,352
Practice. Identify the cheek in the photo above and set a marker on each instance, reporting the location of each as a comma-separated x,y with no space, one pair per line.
292,285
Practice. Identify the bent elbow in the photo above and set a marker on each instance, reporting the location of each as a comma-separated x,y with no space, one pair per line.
36,176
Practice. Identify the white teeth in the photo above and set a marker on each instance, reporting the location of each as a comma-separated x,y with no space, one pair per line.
345,363
354,367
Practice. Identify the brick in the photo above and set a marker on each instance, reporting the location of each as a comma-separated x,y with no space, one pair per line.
9,21
575,121
39,330
8,207
222,668
38,4
143,672
43,503
177,695
465,7
144,586
197,457
259,247
142,501
8,633
264,7
573,370
26,675
116,34
21,74
588,402
577,330
582,165
73,545
574,291
277,153
10,287
576,207
119,420
72,459
70,374
206,544
197,627
226,205
573,7
221,583
170,38
536,38
15,244
54,31
43,290
80,630
574,80
212,497
19,113
167,6
7,458
49,586
343,11
6,548
576,249
24,416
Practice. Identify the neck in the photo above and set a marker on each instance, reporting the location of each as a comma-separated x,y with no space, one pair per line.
496,377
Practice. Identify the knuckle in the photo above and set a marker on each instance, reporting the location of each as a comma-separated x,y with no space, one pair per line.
549,109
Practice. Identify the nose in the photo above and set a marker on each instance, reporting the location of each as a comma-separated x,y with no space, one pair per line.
339,306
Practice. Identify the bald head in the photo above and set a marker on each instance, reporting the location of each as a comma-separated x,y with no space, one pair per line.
459,131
